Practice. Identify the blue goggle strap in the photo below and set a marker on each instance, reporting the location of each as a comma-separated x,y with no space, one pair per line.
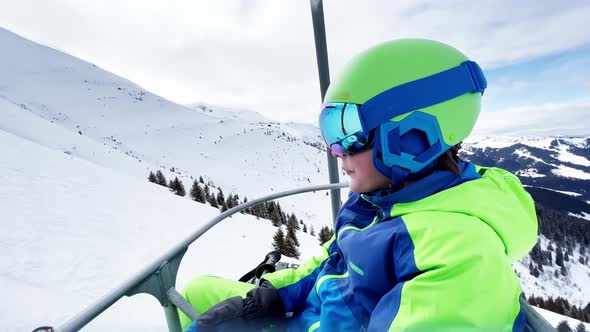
427,91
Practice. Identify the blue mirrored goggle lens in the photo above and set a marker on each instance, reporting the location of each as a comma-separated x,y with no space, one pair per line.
341,128
338,121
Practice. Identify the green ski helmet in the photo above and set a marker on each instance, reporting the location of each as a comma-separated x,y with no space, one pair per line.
412,99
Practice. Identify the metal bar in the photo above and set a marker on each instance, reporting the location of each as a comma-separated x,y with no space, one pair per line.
181,303
321,49
83,318
172,319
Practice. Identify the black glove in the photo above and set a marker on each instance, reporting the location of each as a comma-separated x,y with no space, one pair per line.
262,308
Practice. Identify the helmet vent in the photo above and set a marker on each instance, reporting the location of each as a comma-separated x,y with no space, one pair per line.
414,142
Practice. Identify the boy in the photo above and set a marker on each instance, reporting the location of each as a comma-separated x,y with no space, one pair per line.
425,241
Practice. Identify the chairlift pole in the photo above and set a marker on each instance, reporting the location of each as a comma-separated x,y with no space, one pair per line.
321,49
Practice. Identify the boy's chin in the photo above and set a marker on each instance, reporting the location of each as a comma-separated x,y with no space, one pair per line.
358,188
364,188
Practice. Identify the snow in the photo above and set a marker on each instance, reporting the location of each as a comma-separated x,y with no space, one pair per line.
522,152
228,112
530,172
571,193
570,172
584,215
498,142
540,142
491,141
554,319
566,156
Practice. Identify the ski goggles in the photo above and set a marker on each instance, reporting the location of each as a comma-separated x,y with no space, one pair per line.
346,126
342,129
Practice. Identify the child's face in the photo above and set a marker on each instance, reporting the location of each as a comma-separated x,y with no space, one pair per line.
364,177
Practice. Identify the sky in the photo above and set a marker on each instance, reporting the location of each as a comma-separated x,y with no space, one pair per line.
259,55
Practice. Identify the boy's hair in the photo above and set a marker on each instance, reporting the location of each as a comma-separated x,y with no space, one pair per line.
449,160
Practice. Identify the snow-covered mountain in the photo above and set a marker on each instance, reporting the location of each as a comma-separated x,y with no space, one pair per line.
556,163
73,106
77,145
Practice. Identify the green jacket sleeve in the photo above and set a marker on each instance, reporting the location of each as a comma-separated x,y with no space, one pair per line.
294,285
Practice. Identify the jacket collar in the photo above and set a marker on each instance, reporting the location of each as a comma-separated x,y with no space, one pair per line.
433,183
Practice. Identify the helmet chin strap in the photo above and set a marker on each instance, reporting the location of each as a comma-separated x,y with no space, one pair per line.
396,174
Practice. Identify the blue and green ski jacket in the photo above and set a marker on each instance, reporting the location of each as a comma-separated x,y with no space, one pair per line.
434,256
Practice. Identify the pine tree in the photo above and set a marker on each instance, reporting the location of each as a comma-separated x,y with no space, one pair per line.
221,198
586,313
212,201
278,241
292,220
536,253
152,177
563,270
291,249
196,193
181,191
558,257
177,187
311,231
206,193
201,180
580,327
229,202
160,178
291,234
275,217
304,228
564,327
325,234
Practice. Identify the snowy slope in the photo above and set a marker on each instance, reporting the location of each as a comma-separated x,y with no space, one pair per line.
74,230
574,287
224,113
239,151
554,319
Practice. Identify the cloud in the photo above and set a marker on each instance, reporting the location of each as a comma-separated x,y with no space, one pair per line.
543,120
260,54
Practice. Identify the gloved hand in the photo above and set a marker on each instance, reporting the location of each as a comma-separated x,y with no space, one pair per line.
262,307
